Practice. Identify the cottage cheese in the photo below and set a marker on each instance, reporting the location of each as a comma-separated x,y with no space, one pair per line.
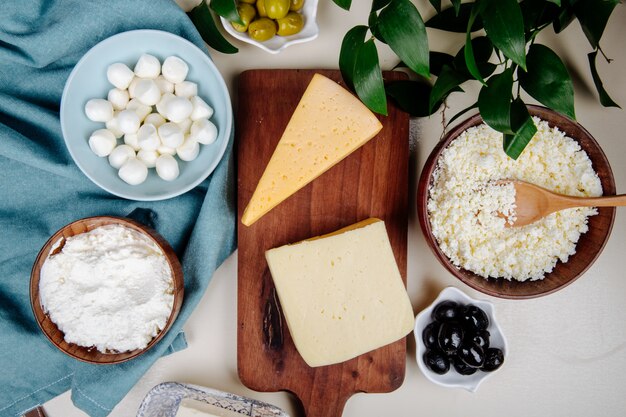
464,199
111,288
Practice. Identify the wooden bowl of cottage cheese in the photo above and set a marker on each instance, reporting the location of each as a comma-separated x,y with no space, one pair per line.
106,289
457,195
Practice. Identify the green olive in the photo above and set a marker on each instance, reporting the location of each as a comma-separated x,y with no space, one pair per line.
247,1
277,9
262,29
260,7
296,5
290,24
247,12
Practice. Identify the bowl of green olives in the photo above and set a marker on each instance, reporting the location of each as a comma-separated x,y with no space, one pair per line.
273,25
458,340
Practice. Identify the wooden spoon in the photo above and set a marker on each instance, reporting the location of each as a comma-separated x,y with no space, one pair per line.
534,203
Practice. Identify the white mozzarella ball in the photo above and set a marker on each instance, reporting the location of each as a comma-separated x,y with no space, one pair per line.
204,131
132,86
185,125
201,110
131,140
166,150
120,155
147,92
141,109
175,69
167,167
178,109
102,142
134,171
148,138
154,119
164,85
189,150
186,89
148,157
113,127
171,135
118,98
120,75
165,98
148,66
99,110
128,121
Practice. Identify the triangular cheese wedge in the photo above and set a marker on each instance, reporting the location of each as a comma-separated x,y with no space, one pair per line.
328,124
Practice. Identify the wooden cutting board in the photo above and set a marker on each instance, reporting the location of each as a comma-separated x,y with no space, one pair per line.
371,182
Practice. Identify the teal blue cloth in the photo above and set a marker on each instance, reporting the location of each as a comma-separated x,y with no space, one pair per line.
41,190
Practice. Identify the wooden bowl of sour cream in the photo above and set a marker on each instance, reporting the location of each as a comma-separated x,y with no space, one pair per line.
588,247
54,245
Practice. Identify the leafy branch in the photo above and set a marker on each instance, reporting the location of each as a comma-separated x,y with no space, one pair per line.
505,60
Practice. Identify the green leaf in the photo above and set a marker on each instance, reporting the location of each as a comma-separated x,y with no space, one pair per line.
593,16
450,21
456,4
505,27
368,79
202,19
379,4
473,58
605,100
468,50
352,42
344,4
547,80
436,4
537,13
438,60
403,28
557,2
494,101
524,128
448,80
227,9
372,22
411,96
461,113
565,17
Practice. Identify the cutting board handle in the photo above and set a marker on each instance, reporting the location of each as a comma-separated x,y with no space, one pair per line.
317,405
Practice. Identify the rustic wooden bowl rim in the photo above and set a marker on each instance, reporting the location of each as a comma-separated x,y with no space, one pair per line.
49,328
501,287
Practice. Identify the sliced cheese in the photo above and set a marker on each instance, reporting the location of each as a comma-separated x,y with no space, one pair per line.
328,124
341,294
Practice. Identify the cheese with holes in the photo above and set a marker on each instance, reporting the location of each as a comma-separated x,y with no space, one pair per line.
341,294
328,124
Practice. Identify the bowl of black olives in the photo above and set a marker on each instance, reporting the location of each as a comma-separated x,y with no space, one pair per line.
459,343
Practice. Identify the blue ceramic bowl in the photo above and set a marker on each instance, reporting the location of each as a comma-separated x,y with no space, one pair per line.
88,80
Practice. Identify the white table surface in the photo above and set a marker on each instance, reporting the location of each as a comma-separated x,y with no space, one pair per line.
567,350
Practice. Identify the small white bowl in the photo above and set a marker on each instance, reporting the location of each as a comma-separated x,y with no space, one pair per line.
452,379
309,32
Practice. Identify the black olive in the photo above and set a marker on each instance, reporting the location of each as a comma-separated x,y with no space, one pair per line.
430,334
446,311
450,337
474,317
481,338
436,361
462,368
493,359
472,354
